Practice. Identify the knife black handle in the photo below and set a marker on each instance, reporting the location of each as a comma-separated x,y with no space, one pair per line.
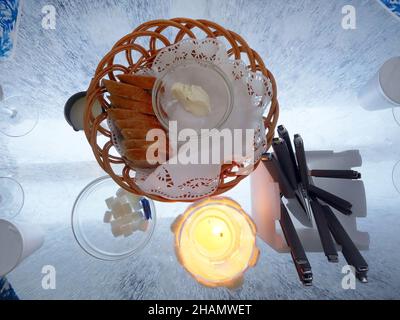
274,168
336,174
298,254
283,133
325,235
282,153
349,249
338,203
302,161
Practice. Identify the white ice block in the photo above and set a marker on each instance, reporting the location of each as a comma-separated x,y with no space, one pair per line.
266,202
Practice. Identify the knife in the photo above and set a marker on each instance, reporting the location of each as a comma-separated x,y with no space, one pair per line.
274,168
334,201
327,242
284,134
303,171
349,249
336,174
282,153
298,254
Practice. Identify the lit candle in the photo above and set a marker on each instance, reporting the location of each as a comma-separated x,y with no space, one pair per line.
215,241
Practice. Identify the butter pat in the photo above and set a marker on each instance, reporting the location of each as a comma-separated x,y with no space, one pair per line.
193,98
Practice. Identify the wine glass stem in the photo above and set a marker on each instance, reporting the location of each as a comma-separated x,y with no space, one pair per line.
11,112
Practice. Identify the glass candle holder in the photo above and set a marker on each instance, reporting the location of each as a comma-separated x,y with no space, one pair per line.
215,241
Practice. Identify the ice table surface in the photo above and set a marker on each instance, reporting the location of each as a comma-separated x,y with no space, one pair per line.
318,66
155,273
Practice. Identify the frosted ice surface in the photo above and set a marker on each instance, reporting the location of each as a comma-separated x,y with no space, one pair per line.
318,67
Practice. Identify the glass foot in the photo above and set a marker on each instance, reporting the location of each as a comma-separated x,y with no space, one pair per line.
396,115
11,198
18,116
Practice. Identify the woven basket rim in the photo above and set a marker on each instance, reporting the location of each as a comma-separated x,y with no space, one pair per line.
153,31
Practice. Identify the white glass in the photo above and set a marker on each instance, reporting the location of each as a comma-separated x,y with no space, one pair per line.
18,116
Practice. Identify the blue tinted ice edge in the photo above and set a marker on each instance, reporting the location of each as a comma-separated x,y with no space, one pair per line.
6,291
392,5
9,10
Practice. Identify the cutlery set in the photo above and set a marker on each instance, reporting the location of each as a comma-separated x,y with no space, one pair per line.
288,167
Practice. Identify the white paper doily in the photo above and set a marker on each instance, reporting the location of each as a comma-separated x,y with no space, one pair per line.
252,94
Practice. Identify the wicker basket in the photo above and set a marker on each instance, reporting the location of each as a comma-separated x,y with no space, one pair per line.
132,49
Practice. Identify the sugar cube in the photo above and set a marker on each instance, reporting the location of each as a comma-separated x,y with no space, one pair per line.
127,229
116,230
126,208
107,217
144,225
123,199
121,192
110,202
137,216
134,201
117,209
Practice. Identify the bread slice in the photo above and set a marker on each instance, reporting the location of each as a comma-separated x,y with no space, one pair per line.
135,143
142,143
140,154
137,123
134,133
124,103
122,114
128,91
144,82
141,164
